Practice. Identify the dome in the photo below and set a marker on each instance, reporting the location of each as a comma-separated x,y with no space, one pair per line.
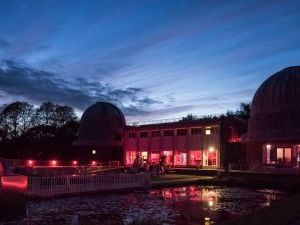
101,125
275,109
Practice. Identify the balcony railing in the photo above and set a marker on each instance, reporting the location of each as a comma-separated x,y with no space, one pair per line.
174,120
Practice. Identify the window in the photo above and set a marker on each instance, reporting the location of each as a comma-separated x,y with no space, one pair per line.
196,131
215,130
132,135
143,134
181,132
156,133
168,132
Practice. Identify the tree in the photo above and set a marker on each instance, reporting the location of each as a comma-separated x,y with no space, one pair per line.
189,117
46,113
63,115
16,118
243,112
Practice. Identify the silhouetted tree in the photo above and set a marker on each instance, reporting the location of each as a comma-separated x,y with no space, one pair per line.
189,117
44,131
63,115
46,113
243,112
16,118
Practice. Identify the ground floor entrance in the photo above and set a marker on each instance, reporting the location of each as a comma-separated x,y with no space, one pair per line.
198,158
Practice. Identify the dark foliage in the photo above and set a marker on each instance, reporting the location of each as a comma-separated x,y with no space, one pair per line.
243,112
40,132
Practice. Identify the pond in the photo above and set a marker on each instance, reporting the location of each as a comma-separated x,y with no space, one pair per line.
179,205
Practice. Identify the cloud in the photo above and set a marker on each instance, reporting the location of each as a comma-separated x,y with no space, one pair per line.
22,81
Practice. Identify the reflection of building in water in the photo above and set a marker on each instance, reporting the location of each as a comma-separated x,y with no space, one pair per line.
205,195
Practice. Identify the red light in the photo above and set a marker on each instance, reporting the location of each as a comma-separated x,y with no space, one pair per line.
30,162
74,163
53,162
93,163
14,182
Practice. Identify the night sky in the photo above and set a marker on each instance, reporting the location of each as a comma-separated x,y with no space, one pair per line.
154,59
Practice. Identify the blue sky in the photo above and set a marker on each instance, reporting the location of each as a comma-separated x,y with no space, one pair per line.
154,59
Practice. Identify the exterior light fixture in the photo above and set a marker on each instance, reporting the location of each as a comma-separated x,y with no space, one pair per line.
268,146
206,221
210,203
93,163
94,152
74,163
211,149
207,131
30,162
53,163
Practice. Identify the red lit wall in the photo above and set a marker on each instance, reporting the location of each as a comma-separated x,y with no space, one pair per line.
14,183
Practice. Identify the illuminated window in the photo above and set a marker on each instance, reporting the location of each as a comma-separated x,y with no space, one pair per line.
143,134
207,131
156,133
168,132
144,155
169,157
196,131
154,158
132,135
180,159
181,132
195,157
130,157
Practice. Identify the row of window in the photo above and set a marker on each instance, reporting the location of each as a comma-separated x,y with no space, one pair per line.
179,132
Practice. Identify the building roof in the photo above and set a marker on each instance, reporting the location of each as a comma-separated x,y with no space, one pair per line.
204,121
275,109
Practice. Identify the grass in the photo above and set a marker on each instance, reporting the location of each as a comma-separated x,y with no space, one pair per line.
281,213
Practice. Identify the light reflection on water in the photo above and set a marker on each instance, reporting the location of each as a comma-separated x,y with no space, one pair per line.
172,205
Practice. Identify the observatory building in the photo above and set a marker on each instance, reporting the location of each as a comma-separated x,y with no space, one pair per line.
272,138
274,125
101,133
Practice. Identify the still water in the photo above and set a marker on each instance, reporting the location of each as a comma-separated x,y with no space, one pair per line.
180,205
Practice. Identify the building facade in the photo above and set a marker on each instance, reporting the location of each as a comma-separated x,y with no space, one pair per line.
195,143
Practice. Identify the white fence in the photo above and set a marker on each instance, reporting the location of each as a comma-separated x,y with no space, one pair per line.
54,186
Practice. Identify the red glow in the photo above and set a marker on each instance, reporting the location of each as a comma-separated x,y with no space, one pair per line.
53,163
14,182
235,139
154,158
74,163
30,163
93,163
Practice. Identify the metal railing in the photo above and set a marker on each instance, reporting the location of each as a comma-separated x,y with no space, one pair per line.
55,186
173,120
